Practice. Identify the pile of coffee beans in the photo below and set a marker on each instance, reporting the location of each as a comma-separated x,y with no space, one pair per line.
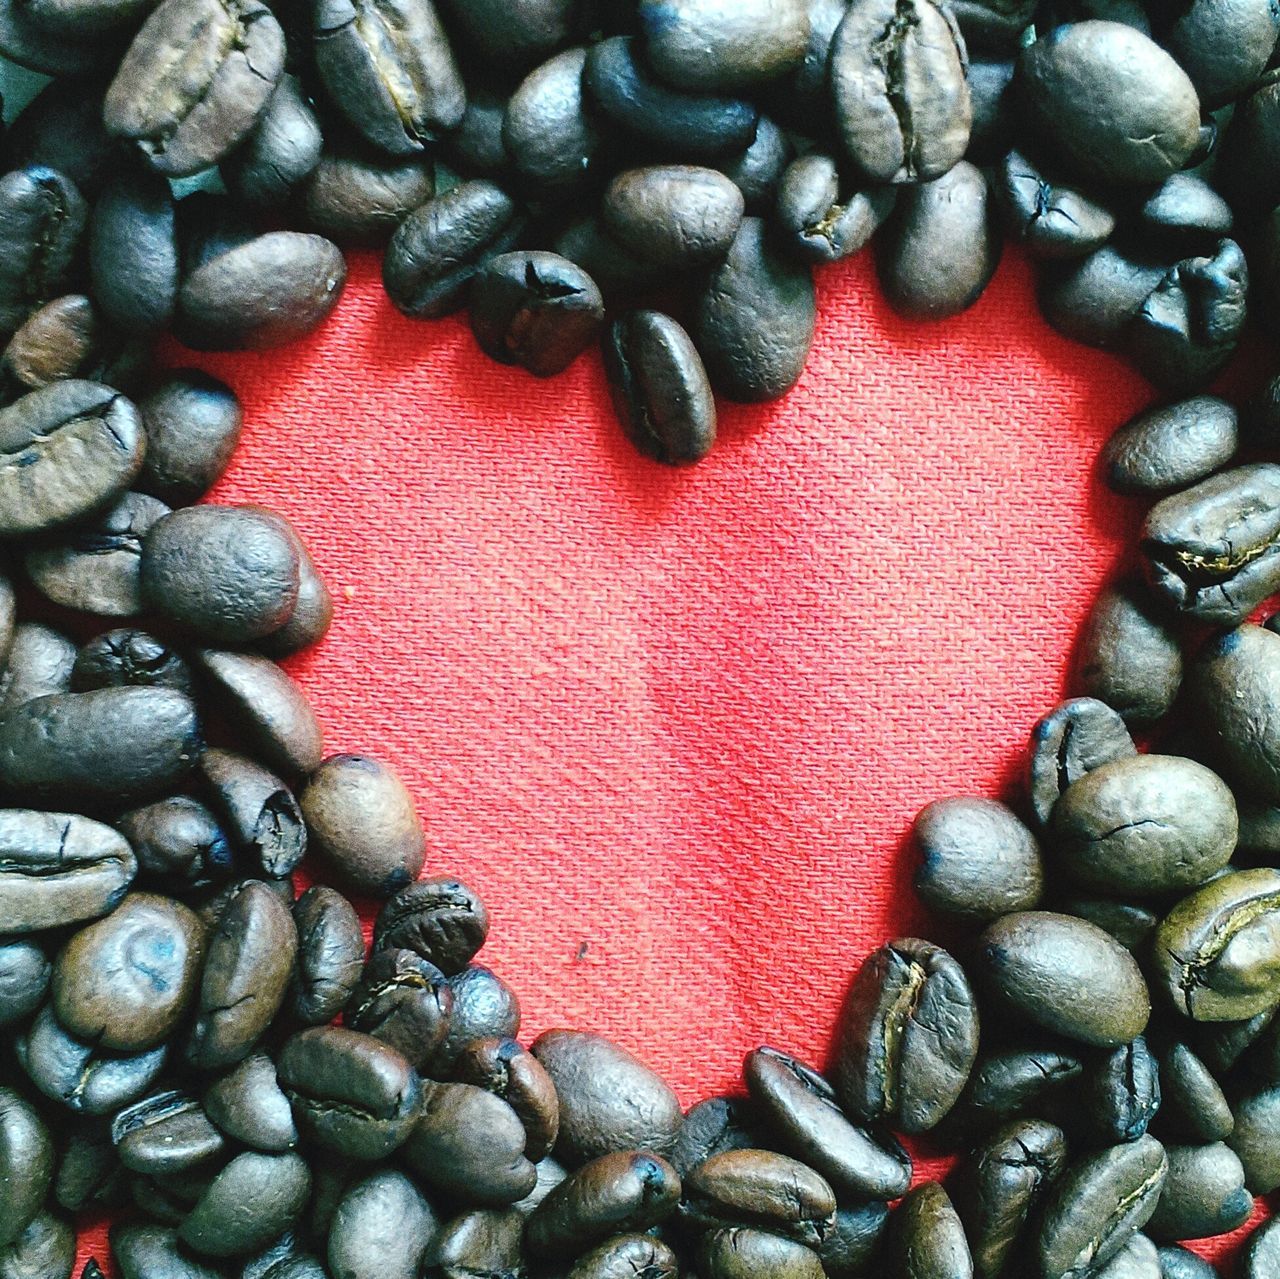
229,1069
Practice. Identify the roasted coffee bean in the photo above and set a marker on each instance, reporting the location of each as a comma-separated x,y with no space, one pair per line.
1065,975
165,1133
762,1189
1233,687
1188,327
512,37
1203,1194
468,1144
549,131
1223,48
484,1007
361,821
908,1037
126,982
1172,447
248,1104
26,1165
1186,212
1070,741
823,221
42,223
1001,1185
1193,1105
1015,1083
265,707
1138,1259
1114,105
979,860
79,1076
1255,1138
1049,219
388,67
281,152
46,1249
249,960
758,171
404,1001
442,920
97,567
228,573
619,1258
679,216
659,388
902,105
712,1127
330,954
609,1100
550,1175
615,1194
153,1252
263,292
854,1241
754,320
178,842
61,128
994,24
1130,923
358,200
742,1253
1124,1092
248,1204
1178,1263
535,309
993,106
192,423
1098,1205
801,1109
1094,299
67,451
437,250
926,1239
195,80
1224,1045
350,1094
58,869
381,1229
1218,951
129,658
694,125
940,249
1145,825
24,978
504,1068
476,146
312,614
68,337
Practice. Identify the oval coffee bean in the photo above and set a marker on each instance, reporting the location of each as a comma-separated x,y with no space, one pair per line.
624,1256
504,1068
26,1165
1051,220
178,842
659,388
192,423
69,338
126,982
1217,953
1172,447
195,81
854,1241
1095,299
330,954
1112,103
440,919
67,451
1193,1105
821,223
1015,1083
764,1189
248,1204
150,1252
247,967
1224,48
312,614
164,1135
128,658
926,1239
42,222
758,171
46,1249
389,68
1262,1253
1065,975
754,321
1145,825
281,152
902,104
908,1037
629,1191
1203,1194
248,1104
1138,1259
1073,739
1098,1205
59,869
404,1001
108,746
361,821
1124,1093
381,1229
484,1007
677,216
940,249
350,1094
979,860
712,1127
512,37
1255,1137
742,1253
24,979
609,1100
549,131
361,201
1185,211
801,1108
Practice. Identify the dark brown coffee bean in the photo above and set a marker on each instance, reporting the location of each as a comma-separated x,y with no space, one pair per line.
926,1239
1223,48
712,1127
69,338
248,1204
193,424
179,843
854,1241
1255,1138
42,223
758,171
484,1007
742,1253
127,658
404,1001
513,37
1262,1253
504,1068
330,955
1094,299
549,131
1203,1194
148,1252
24,979
1193,1106
312,614
382,1229
1123,1090
358,200
259,813
476,147
1015,1082
41,661
659,388
1172,447
1073,739
675,215
248,1104
46,1248
822,220
624,1256
165,1134
1051,220
281,152
26,1165
1186,214
442,920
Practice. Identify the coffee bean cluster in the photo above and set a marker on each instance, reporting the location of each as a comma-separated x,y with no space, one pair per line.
256,1092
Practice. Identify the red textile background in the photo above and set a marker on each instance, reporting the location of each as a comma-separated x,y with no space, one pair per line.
674,725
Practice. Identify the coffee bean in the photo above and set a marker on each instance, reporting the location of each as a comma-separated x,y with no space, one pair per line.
1072,740
476,146
257,810
624,1256
381,1229
178,842
742,1253
926,1239
800,97
1051,220
1138,1259
1016,1082
1094,299
1218,951
437,250
484,1007
404,1001
993,24
1186,213
1223,48
980,861
1246,157
312,614
853,1243
549,131
678,216
992,131
1113,104
42,223
440,919
153,1252
192,423
823,221
281,152
24,978
711,1127
1172,447
358,200
248,1204
26,1165
1262,1253
761,1189
1193,1105
513,36
609,1100
1178,1263
350,1094
504,1068
248,1104
330,954
47,1247
754,320
1203,1194
908,1037
388,67
69,337
1065,975
164,1134
31,45
129,658
758,171
659,388
1254,1138
1124,1093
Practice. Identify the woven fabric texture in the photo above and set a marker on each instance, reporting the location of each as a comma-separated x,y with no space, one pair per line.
674,725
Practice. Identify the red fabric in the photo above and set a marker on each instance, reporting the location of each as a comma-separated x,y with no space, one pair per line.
674,725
